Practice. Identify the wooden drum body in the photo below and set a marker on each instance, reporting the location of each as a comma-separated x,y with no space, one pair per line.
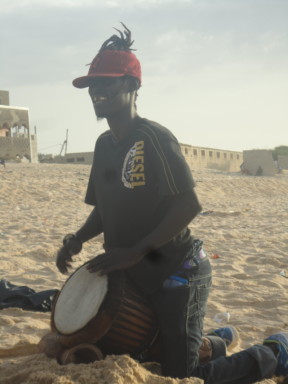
107,311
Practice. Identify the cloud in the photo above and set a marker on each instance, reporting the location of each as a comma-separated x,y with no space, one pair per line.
8,6
12,5
200,56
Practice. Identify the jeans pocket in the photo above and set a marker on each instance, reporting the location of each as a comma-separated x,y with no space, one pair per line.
203,294
198,301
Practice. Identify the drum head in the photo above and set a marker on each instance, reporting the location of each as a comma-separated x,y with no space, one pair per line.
79,300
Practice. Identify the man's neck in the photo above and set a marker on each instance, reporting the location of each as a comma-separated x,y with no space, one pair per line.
122,126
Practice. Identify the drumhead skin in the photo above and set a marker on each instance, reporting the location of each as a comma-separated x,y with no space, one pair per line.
79,300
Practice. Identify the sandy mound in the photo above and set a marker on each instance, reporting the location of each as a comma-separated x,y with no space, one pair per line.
244,225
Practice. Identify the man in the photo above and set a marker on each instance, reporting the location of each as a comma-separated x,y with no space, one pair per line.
143,196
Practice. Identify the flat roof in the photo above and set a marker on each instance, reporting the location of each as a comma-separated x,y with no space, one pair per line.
12,107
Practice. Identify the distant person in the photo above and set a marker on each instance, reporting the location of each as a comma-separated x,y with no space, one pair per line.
259,171
2,162
244,170
143,199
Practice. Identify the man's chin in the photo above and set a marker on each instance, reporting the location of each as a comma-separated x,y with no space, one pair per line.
100,115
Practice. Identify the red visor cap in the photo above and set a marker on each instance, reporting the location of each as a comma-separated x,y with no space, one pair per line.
111,63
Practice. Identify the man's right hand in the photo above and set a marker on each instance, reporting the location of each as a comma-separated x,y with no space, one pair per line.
71,246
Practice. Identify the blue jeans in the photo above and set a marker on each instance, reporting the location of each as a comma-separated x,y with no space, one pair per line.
180,312
246,367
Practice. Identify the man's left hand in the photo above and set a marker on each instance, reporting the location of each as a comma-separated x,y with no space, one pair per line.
113,260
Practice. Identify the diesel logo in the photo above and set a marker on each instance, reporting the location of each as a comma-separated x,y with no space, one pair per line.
133,174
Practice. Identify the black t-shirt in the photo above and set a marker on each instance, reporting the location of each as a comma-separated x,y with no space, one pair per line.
132,183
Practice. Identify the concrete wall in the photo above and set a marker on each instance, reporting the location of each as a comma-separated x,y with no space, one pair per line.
33,148
79,158
14,147
197,158
201,157
4,98
256,158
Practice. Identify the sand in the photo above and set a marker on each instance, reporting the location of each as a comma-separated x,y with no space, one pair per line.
244,226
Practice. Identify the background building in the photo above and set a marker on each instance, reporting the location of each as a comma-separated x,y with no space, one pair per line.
196,157
16,140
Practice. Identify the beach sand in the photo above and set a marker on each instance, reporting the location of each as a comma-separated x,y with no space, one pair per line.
244,225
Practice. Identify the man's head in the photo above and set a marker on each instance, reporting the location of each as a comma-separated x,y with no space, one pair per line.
113,60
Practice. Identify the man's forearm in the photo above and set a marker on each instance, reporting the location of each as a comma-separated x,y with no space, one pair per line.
183,209
91,228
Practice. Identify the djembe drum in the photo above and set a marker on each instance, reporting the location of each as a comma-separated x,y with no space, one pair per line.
106,311
93,316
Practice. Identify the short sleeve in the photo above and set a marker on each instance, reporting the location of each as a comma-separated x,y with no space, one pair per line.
172,171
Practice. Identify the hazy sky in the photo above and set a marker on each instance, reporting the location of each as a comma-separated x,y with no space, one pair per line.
215,72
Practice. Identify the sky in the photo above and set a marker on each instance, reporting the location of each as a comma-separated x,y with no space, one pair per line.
215,72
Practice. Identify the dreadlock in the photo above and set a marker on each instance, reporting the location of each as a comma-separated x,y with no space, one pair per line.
114,59
122,43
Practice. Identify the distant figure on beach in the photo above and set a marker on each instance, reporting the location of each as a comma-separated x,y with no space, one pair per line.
259,171
244,170
2,162
143,199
